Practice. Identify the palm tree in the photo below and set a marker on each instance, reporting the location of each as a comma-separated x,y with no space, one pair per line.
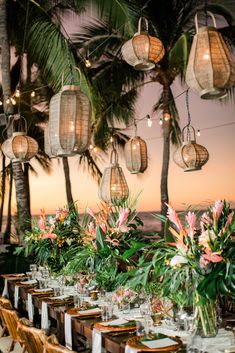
172,22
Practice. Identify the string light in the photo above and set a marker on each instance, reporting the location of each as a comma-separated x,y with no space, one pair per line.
160,121
17,93
87,63
149,121
91,147
1,103
8,101
13,101
198,133
95,149
167,116
32,94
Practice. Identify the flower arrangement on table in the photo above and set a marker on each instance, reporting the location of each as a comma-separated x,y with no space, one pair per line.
105,236
51,237
191,267
123,296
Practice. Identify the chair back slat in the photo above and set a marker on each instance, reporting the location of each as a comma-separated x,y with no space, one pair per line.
52,346
32,337
10,318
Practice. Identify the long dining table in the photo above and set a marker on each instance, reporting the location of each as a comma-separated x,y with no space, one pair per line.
82,329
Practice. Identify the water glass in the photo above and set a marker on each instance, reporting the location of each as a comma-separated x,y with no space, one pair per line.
57,291
106,312
78,300
29,275
33,269
145,309
142,327
42,283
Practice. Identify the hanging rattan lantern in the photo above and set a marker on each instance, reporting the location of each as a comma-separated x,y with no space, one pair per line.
211,68
143,51
47,144
113,186
136,155
69,121
190,156
20,147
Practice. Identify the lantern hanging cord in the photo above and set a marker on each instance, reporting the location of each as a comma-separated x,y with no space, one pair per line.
189,116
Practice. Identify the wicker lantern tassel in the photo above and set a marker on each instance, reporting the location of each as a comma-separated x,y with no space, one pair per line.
20,147
211,68
113,186
143,51
190,156
136,154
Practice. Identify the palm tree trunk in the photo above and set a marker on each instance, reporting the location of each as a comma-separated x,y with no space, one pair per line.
26,179
166,152
68,183
3,189
18,175
7,233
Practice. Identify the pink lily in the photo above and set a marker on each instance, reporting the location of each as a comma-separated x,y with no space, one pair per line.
191,220
42,220
123,215
205,221
212,256
229,220
217,209
49,236
91,228
103,227
90,212
174,218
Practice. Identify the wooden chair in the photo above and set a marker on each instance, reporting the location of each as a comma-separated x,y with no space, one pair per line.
4,302
32,337
52,345
11,319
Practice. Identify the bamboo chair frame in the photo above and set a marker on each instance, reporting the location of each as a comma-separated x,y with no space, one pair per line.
52,345
11,319
4,302
32,337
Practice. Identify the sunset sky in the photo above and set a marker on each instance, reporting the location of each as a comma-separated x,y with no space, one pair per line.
214,181
200,188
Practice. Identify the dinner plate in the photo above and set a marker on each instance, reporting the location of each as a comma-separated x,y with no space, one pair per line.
84,313
163,344
114,327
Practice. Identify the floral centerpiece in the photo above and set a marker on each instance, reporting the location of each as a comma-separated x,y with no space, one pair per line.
51,237
194,267
105,236
123,296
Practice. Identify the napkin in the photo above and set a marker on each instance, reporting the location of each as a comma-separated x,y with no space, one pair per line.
31,281
116,322
5,289
44,316
68,330
42,290
129,349
88,311
16,297
59,297
159,343
30,307
96,341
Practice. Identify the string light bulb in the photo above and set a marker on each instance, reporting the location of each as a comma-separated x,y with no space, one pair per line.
87,63
167,116
8,101
149,121
91,147
13,101
160,121
198,133
17,93
1,103
32,94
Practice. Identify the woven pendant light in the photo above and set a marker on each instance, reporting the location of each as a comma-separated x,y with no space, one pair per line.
211,69
143,51
190,156
113,186
136,154
69,121
20,147
47,144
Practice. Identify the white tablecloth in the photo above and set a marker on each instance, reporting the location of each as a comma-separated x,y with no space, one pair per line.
68,330
16,297
44,316
5,289
30,307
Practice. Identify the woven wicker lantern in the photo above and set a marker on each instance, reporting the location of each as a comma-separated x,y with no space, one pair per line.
136,155
143,51
20,147
211,69
113,186
69,121
47,144
190,156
